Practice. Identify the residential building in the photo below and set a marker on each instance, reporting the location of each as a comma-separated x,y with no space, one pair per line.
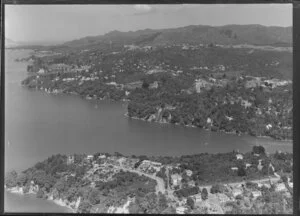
70,159
239,157
176,179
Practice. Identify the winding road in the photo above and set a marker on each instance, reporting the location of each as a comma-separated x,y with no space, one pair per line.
160,186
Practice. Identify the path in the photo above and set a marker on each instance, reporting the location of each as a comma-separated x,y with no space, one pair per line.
160,186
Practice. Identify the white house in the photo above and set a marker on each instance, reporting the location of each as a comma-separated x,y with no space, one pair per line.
229,118
256,194
102,156
181,210
70,159
176,179
268,126
248,165
236,192
209,121
259,166
90,157
189,172
234,168
239,157
41,71
280,187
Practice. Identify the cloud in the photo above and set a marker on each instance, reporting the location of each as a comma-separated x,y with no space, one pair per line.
143,9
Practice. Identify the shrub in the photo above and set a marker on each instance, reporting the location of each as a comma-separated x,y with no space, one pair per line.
241,171
204,194
84,207
40,194
218,188
190,202
258,150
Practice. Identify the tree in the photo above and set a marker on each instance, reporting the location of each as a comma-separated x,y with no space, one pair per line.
94,197
204,194
11,179
241,171
258,150
84,207
118,154
145,84
217,189
190,202
40,194
162,202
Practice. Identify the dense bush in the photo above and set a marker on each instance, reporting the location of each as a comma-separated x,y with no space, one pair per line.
204,194
217,188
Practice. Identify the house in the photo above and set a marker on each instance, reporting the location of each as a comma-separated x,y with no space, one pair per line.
41,71
153,85
70,159
270,101
127,93
102,156
256,194
112,83
181,210
133,85
90,157
202,84
252,83
256,155
229,118
209,121
234,168
131,47
246,103
236,192
239,157
176,179
248,165
268,126
189,172
156,70
59,67
259,166
280,187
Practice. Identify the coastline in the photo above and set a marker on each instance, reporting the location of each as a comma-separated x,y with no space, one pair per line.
19,190
87,98
207,129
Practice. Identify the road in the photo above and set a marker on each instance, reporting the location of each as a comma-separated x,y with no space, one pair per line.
160,186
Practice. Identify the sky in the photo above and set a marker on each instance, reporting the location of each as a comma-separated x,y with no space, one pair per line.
69,22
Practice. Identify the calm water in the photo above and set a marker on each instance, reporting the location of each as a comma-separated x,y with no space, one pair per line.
29,203
38,125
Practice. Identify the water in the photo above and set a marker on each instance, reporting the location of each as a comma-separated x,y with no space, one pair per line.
29,203
38,125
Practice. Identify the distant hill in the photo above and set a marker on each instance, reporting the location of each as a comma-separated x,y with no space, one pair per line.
229,34
10,43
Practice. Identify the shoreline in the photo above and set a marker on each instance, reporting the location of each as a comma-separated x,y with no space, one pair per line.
207,129
89,99
19,190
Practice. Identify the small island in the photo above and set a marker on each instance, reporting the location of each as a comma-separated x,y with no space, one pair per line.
255,182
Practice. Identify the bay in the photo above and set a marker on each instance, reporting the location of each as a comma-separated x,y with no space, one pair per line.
38,125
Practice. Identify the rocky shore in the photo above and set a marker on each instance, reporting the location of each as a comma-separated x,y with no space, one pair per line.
33,189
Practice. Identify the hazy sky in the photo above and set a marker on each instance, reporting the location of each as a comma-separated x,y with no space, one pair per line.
67,22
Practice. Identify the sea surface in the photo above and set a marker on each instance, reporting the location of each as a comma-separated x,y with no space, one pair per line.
38,125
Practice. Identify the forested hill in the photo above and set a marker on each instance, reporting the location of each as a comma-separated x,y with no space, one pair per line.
229,34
